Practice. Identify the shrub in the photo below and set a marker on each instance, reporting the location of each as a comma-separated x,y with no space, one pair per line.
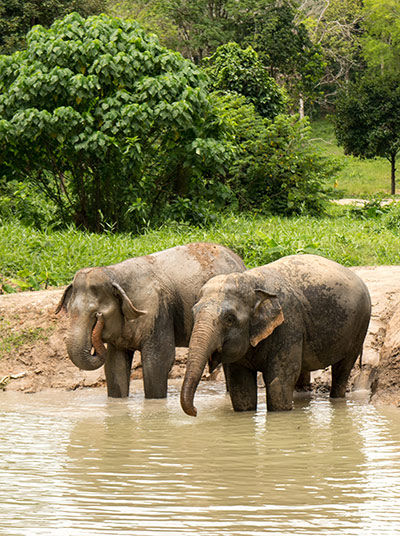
232,68
277,168
21,201
105,121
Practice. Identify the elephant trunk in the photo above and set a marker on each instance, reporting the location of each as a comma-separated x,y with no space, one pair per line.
203,342
82,338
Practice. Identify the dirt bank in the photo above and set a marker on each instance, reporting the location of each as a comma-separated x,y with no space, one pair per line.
33,355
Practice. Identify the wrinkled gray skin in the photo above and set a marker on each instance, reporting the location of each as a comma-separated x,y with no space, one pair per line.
145,304
297,314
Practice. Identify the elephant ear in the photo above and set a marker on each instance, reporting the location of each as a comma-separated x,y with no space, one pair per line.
63,303
128,309
267,315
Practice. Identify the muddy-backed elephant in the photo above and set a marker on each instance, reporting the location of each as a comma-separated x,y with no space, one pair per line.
145,304
297,314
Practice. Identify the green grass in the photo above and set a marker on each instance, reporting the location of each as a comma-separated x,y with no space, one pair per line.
52,258
359,177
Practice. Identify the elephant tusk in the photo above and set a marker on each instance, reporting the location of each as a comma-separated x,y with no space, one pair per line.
97,342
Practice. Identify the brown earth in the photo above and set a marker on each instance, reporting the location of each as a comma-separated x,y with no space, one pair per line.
33,355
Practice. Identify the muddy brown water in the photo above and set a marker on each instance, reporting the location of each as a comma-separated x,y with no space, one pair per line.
76,463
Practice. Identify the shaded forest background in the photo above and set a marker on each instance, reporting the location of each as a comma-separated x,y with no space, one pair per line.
119,116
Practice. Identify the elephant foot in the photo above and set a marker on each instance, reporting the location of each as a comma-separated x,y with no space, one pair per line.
155,388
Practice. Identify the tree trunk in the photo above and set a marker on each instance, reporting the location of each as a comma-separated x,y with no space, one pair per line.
301,107
393,173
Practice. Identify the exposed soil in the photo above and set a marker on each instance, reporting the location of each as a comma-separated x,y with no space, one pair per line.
33,355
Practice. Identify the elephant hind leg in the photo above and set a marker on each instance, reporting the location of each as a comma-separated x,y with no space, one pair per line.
304,381
340,374
158,355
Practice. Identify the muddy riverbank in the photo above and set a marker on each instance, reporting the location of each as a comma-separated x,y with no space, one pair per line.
33,356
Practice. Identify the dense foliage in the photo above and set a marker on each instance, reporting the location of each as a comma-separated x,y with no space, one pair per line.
102,126
381,40
367,120
277,169
107,122
18,16
232,68
271,27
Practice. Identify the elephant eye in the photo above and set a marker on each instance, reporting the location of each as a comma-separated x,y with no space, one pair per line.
230,319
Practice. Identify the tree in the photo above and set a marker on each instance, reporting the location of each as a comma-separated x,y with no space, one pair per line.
232,68
381,43
277,169
151,14
367,120
18,16
106,121
337,27
283,44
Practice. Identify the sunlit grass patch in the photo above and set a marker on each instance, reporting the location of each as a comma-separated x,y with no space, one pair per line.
358,177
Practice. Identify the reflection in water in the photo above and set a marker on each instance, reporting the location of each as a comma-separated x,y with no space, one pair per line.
79,464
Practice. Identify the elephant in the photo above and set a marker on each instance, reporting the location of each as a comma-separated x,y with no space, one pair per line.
144,303
297,314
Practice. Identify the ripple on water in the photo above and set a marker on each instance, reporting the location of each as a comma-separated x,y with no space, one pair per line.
77,463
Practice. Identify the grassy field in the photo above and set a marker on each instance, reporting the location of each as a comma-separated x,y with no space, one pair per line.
358,178
31,259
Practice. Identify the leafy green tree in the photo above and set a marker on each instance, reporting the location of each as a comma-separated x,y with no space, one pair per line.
269,26
151,14
232,68
18,16
367,120
283,44
381,43
106,121
277,168
202,25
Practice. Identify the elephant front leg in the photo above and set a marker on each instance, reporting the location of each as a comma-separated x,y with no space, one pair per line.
157,360
117,368
242,387
280,378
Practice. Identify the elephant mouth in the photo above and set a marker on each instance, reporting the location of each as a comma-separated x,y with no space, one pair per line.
98,346
214,360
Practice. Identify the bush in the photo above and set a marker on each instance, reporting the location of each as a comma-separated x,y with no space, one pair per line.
232,68
106,122
21,201
277,169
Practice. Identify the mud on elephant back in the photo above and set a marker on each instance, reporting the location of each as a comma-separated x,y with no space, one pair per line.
297,314
145,304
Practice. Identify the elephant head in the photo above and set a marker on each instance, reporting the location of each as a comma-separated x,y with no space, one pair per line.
232,315
98,308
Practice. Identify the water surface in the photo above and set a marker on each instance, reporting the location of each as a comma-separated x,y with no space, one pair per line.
79,464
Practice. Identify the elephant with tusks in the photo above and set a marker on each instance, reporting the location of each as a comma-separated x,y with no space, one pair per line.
145,304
